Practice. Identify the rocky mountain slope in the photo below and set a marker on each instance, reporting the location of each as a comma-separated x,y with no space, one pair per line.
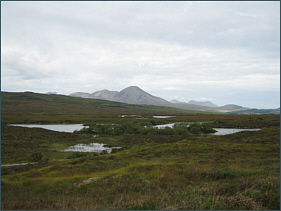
131,95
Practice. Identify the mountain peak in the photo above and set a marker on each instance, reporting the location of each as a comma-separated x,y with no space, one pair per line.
132,88
135,95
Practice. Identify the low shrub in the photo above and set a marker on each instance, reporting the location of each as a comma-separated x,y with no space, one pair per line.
75,155
36,157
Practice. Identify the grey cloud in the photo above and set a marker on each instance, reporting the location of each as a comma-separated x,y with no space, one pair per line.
172,46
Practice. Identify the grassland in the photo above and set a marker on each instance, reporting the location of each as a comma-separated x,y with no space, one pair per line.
173,172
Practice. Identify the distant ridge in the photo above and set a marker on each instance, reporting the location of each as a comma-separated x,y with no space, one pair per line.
193,102
257,111
104,94
176,101
232,106
205,103
135,95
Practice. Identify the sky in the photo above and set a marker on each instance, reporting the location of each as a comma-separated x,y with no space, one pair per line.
224,52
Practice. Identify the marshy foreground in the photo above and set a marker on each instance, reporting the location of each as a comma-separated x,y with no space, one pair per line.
151,171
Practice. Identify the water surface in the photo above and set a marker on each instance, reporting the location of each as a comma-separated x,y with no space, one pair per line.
165,125
68,128
220,131
140,116
92,147
163,117
226,131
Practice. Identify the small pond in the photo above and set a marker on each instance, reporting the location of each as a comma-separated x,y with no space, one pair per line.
163,126
226,131
163,117
68,128
124,115
140,116
220,131
92,147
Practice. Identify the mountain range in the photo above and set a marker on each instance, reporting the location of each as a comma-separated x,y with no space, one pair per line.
135,95
203,103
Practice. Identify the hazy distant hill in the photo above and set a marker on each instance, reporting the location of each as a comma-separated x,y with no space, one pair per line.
230,108
205,103
80,94
176,101
257,111
192,107
105,94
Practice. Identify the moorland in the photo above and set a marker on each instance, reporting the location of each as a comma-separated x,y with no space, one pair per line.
153,170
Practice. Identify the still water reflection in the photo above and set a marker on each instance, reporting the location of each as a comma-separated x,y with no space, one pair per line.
68,128
92,147
220,131
226,131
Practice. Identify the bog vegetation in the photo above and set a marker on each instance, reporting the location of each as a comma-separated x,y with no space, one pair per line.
148,129
169,168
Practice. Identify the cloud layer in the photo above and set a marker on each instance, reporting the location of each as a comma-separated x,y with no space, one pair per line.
224,51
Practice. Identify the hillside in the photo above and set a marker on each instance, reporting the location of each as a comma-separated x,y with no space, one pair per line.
28,107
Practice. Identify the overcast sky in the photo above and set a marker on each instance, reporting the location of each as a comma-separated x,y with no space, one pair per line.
225,52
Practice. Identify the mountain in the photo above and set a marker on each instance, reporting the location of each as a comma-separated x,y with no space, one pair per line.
131,95
135,95
205,103
176,101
